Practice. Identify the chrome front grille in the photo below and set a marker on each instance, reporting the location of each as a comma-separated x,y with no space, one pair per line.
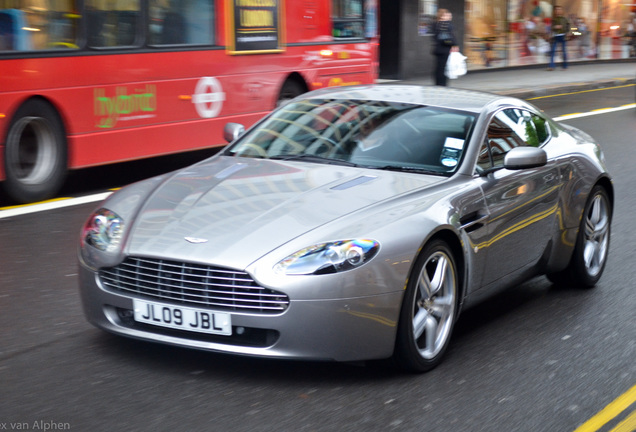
194,285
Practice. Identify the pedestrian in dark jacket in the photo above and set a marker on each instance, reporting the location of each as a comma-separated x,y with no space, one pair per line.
444,42
559,30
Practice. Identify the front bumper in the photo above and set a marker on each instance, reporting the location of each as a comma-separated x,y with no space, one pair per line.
344,329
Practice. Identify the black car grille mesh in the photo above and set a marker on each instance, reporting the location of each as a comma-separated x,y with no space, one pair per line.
193,285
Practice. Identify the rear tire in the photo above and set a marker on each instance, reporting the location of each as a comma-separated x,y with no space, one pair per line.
35,153
592,243
428,310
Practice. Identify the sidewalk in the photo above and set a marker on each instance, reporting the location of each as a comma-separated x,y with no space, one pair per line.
525,83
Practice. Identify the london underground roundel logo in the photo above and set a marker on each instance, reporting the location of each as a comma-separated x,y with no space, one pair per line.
208,97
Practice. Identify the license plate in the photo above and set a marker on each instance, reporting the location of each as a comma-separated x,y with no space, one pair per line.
182,318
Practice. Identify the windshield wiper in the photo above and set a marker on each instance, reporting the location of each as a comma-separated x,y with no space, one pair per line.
314,158
409,170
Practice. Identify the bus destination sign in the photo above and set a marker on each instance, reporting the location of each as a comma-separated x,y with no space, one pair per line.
255,26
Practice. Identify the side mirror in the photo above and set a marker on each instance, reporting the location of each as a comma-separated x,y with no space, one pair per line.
232,131
525,157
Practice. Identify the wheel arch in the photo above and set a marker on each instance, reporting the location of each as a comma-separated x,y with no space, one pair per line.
295,77
59,112
453,241
558,255
406,345
56,107
607,184
19,109
575,272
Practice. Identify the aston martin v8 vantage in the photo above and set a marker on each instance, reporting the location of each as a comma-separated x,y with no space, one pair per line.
350,224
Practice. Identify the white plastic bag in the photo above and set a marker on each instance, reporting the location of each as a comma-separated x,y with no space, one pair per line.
456,65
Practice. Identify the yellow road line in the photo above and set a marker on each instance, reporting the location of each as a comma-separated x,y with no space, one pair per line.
53,203
627,425
31,204
611,411
20,210
581,91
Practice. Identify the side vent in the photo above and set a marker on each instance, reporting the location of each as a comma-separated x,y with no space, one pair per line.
473,221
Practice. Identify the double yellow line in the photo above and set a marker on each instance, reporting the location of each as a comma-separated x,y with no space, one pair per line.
581,91
612,411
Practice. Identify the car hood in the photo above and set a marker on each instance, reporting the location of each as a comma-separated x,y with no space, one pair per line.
233,211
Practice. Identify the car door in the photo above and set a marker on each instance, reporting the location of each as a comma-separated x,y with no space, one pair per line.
522,204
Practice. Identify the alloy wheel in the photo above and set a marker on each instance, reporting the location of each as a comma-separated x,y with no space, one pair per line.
434,306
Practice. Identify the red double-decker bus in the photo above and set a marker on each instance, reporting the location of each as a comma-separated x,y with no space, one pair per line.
92,82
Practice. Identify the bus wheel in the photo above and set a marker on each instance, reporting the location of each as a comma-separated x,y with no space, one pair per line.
35,153
290,90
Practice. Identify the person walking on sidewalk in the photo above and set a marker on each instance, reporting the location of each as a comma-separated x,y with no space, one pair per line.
444,43
559,31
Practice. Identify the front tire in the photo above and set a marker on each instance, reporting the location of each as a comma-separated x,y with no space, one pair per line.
429,309
35,158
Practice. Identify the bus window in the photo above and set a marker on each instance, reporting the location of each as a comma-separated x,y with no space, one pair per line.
371,18
188,22
347,19
33,25
112,23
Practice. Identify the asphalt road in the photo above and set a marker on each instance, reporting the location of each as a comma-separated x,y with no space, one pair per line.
536,358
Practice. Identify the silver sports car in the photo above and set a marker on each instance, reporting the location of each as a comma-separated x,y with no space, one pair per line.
350,224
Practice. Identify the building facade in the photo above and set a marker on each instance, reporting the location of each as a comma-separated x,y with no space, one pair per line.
503,33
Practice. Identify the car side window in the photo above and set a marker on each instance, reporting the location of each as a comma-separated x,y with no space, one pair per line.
542,127
483,159
511,128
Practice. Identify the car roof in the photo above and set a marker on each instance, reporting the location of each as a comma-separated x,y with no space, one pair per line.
443,97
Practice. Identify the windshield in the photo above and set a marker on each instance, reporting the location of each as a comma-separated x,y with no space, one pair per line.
372,134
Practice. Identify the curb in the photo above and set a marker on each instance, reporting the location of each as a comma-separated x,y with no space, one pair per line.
536,92
544,91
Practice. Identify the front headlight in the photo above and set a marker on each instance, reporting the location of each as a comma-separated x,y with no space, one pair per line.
329,257
103,230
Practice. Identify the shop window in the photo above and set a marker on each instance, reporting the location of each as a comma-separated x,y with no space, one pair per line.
486,29
427,16
189,22
112,23
29,25
511,33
